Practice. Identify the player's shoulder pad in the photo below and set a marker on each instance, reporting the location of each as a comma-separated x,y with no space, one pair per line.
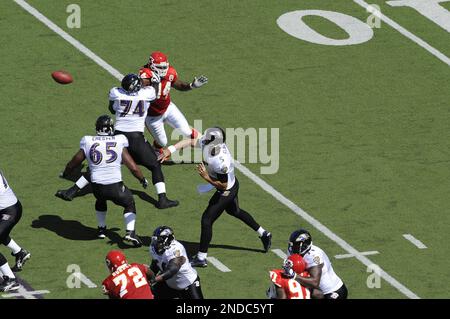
172,74
276,276
114,93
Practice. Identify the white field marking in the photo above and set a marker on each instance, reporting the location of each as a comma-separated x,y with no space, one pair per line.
26,294
279,253
415,241
405,32
364,253
269,189
216,263
85,280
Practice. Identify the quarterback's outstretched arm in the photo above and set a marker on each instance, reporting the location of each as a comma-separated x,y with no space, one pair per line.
166,152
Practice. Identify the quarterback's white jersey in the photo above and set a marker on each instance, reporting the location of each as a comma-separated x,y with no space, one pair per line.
7,196
329,281
221,163
131,108
104,155
186,275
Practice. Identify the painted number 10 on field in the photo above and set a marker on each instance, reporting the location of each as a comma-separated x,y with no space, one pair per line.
358,31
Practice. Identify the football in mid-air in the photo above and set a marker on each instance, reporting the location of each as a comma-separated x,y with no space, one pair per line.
62,77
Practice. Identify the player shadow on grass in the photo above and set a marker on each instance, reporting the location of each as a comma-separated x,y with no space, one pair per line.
192,248
74,230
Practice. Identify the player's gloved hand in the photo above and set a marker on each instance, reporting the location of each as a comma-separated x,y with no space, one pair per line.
198,82
144,183
287,267
156,78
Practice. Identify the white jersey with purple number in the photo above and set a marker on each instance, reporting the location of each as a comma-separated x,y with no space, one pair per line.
221,163
186,275
131,108
329,281
7,196
104,155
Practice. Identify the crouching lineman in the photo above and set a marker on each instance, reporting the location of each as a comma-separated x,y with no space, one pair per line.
219,172
318,265
126,281
105,153
284,285
175,276
10,214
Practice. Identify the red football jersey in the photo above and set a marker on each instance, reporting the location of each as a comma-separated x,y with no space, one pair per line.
128,282
291,287
160,105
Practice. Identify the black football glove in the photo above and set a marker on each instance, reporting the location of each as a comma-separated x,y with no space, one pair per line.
144,183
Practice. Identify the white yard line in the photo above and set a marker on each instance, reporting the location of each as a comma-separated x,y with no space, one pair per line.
364,253
279,253
85,280
438,54
216,263
22,292
269,189
414,241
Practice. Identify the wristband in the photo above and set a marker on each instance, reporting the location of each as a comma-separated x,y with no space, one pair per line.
172,149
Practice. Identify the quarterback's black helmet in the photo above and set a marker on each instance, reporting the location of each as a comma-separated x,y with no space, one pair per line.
104,125
162,238
214,135
300,242
131,83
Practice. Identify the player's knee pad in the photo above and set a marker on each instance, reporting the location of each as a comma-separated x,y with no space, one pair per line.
101,206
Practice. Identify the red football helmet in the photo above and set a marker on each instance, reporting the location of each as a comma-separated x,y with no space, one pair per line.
115,259
297,263
159,63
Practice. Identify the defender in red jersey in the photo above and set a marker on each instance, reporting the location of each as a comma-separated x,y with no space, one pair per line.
127,281
284,285
163,110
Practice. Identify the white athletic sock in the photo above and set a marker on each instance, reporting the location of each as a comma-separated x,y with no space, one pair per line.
160,187
14,247
202,256
130,220
101,218
6,270
260,231
82,182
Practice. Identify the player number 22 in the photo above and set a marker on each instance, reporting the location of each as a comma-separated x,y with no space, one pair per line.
122,280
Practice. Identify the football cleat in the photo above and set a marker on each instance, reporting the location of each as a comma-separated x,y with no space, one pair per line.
197,262
101,232
67,194
266,240
9,284
21,257
131,237
164,202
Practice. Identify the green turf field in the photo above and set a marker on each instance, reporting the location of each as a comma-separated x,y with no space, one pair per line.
364,143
